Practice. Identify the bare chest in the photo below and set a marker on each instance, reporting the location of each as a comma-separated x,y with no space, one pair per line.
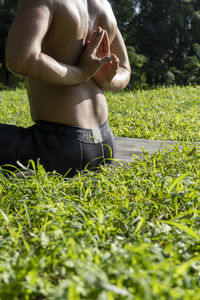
73,23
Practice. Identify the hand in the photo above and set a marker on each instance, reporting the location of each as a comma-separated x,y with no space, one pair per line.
93,57
108,71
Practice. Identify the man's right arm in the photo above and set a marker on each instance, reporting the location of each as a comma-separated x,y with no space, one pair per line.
24,54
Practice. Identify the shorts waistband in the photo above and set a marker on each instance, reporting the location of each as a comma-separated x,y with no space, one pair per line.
92,136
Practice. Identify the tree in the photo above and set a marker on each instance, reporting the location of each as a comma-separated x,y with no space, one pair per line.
165,34
125,12
162,38
7,11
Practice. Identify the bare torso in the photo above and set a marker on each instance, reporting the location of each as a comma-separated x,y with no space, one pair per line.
82,104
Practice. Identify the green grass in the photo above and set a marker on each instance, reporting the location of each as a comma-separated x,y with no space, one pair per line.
161,114
131,232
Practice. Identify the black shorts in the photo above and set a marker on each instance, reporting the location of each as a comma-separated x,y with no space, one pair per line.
59,147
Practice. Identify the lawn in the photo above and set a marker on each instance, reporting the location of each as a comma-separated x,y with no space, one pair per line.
131,232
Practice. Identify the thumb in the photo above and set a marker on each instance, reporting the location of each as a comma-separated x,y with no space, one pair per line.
115,62
106,59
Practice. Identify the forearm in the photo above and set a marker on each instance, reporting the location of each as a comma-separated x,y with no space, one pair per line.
45,68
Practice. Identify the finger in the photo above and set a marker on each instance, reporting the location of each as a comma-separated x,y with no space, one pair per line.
97,41
106,42
115,62
106,59
104,47
98,52
93,35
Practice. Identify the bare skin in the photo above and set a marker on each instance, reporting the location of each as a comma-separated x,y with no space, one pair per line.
69,52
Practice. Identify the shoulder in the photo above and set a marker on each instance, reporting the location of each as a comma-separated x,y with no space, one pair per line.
34,9
36,2
107,4
29,5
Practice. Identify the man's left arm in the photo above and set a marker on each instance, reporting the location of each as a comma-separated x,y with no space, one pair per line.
115,75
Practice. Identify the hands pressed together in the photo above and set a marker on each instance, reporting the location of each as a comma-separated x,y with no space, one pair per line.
96,61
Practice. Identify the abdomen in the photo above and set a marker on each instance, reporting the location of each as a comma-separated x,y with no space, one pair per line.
81,105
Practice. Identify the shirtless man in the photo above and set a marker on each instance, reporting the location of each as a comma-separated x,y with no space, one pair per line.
69,52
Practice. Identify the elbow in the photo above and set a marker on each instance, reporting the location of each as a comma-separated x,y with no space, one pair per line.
129,74
12,61
12,67
14,64
125,78
19,63
15,58
120,81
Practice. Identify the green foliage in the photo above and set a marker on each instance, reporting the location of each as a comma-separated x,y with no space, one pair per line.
162,113
137,62
192,65
165,33
127,232
162,38
7,11
124,11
